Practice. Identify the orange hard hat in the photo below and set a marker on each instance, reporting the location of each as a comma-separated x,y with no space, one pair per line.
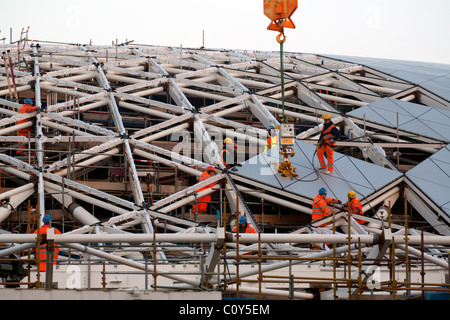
211,168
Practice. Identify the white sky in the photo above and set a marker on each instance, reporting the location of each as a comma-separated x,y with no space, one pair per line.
396,29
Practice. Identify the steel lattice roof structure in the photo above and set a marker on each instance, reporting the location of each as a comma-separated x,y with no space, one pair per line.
110,112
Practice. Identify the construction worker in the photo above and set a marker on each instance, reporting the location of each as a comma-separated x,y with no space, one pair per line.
27,107
202,203
353,205
330,134
244,227
320,207
229,147
42,250
272,139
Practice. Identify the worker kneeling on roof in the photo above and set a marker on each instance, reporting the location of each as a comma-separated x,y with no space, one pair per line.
202,203
330,134
353,205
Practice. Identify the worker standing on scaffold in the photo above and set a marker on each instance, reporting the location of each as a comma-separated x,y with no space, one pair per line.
42,252
202,205
27,107
327,141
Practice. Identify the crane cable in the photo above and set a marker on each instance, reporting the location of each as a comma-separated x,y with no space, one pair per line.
281,41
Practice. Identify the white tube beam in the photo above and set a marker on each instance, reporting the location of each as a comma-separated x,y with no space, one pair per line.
128,262
270,292
231,237
14,200
274,199
10,193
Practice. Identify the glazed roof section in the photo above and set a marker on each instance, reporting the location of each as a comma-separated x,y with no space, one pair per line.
432,177
434,77
414,118
349,173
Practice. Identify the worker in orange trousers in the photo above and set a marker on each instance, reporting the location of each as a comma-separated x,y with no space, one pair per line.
42,250
202,203
327,141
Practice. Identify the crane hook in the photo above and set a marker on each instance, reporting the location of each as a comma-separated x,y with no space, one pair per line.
279,39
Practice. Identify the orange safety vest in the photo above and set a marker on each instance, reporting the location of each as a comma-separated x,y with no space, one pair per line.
247,230
42,250
205,175
355,207
202,204
327,135
271,142
26,109
224,156
320,208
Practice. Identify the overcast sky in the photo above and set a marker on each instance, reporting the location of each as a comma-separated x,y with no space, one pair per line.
417,30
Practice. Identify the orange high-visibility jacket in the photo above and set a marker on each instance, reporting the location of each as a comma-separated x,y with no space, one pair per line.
247,230
26,109
271,142
355,207
205,175
202,204
42,251
320,207
224,156
327,135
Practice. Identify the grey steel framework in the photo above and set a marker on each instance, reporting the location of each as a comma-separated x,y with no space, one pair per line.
113,112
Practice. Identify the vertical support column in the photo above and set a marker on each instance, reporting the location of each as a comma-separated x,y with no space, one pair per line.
407,265
50,248
39,136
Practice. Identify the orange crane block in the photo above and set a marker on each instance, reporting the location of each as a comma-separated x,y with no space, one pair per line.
280,12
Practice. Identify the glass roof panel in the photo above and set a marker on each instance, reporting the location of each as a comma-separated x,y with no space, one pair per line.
412,117
430,76
432,176
349,174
